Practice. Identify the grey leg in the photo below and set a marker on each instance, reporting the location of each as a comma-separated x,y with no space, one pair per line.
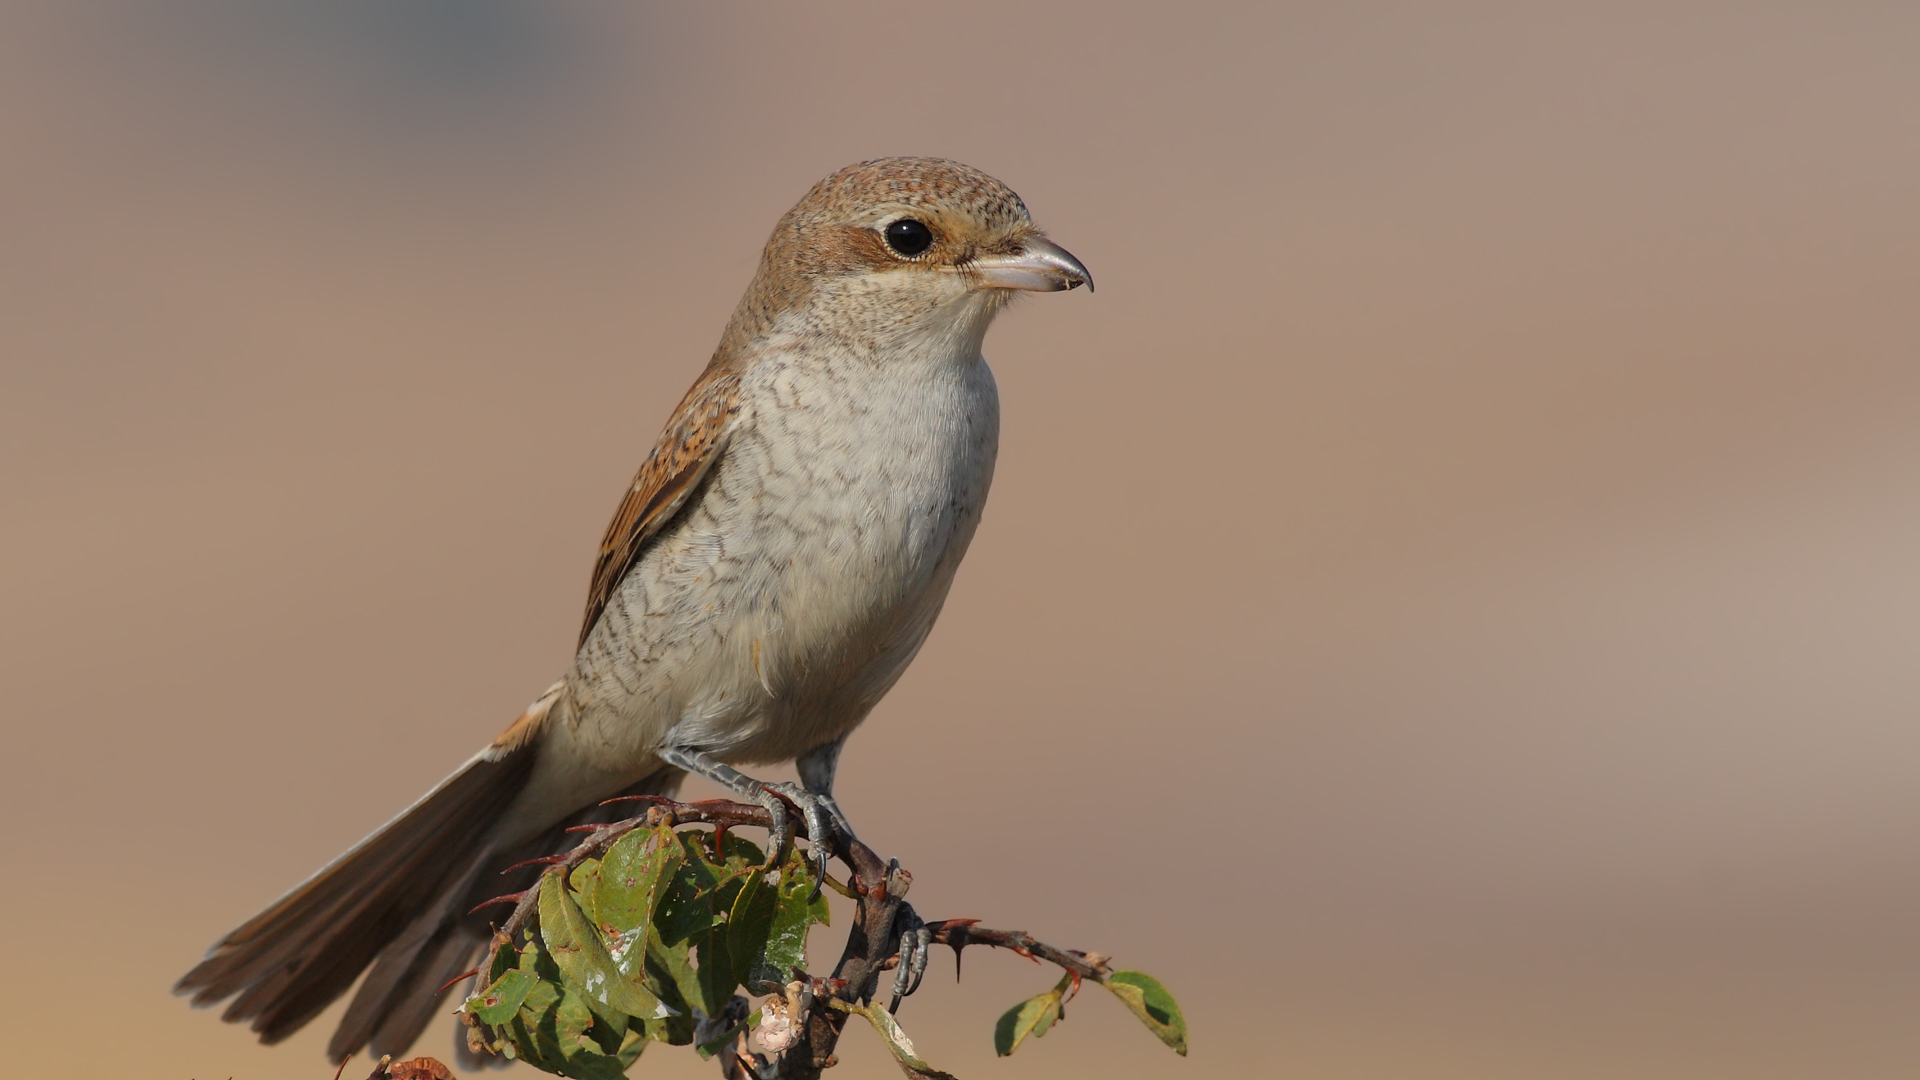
812,808
817,767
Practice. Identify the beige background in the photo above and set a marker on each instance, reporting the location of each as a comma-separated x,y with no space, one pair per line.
1448,606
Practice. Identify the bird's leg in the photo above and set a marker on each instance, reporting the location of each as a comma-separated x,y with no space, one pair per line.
769,795
817,767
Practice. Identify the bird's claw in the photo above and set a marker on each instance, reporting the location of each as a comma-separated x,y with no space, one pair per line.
916,944
821,814
781,832
822,818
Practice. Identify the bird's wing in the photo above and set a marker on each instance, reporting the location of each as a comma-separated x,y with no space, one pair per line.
693,440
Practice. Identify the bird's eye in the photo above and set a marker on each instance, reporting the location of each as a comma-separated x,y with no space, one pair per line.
909,237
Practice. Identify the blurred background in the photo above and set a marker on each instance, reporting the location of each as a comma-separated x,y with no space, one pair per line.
1448,606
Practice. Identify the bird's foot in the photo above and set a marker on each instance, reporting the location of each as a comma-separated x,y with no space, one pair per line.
823,820
820,813
916,943
834,814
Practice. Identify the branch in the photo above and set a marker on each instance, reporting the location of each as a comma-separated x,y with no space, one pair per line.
959,933
720,813
878,888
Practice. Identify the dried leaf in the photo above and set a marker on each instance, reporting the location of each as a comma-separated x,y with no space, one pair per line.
420,1068
897,1042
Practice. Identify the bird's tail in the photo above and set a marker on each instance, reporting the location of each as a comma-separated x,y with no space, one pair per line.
398,901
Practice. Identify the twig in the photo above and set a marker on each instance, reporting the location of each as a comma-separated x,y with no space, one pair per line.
959,933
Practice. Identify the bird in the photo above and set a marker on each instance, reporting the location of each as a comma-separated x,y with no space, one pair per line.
777,562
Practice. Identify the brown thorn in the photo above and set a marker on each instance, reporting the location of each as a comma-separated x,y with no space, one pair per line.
544,860
510,898
463,975
955,931
657,800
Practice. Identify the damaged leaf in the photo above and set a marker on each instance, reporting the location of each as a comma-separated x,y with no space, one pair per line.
498,1002
581,955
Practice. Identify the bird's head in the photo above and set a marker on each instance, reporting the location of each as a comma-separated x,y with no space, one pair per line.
896,249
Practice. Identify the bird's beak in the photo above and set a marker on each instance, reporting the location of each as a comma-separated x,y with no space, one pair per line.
1040,266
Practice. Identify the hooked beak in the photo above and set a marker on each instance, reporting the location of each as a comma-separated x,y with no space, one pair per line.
1040,266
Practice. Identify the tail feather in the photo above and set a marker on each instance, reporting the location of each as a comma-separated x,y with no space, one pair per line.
399,901
291,961
392,1007
409,982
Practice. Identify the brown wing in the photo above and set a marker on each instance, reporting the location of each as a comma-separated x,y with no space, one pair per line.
692,442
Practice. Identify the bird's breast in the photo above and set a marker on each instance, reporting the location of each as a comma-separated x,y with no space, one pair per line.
805,574
861,488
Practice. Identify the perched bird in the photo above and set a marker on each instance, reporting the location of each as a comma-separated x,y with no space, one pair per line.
775,565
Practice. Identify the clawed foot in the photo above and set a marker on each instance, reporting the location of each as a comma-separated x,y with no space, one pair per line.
916,943
823,819
820,812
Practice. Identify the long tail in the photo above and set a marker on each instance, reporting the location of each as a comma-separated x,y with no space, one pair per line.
398,901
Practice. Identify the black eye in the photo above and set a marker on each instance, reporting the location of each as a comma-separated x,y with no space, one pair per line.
909,237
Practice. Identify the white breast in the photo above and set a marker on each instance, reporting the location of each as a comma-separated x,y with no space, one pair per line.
793,593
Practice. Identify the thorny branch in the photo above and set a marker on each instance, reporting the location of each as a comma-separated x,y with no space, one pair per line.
878,888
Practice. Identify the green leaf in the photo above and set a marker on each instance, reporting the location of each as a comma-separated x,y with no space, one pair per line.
1153,1005
530,1040
672,1030
897,1042
784,948
499,1001
523,1033
632,1045
582,958
544,994
569,1029
609,1026
504,959
743,854
628,946
676,1029
585,883
1034,1016
634,876
690,944
748,925
529,1035
571,1020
